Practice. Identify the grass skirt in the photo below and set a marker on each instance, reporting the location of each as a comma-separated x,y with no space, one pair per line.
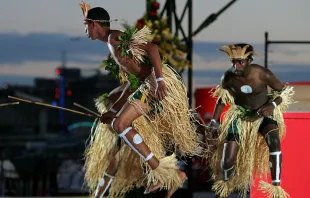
253,155
169,130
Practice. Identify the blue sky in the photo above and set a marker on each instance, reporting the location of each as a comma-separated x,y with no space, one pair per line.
33,34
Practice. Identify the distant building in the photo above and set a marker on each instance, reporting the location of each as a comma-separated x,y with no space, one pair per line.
33,121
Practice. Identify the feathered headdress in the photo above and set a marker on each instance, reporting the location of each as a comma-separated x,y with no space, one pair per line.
85,8
232,52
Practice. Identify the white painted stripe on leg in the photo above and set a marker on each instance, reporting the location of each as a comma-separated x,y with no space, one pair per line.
112,124
123,136
278,168
125,132
149,157
276,153
100,184
108,175
107,187
223,155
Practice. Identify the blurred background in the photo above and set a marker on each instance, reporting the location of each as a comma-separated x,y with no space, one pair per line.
46,57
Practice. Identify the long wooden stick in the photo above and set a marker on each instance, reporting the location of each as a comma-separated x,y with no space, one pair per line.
90,111
7,104
52,106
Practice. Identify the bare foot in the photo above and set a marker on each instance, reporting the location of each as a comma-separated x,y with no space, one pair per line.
182,176
153,188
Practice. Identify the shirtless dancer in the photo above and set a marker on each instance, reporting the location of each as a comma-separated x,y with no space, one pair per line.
159,91
254,117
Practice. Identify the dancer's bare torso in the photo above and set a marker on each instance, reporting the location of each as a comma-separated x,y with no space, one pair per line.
127,63
249,91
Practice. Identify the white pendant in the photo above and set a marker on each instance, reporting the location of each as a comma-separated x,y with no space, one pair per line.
246,89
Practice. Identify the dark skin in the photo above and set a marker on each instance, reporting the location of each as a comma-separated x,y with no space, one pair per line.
130,66
258,78
94,31
127,63
129,112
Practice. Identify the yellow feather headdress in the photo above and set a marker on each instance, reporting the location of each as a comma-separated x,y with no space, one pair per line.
85,8
233,53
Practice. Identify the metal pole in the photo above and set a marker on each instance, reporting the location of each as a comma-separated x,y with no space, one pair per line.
190,50
266,49
267,42
62,93
190,84
177,23
170,9
210,19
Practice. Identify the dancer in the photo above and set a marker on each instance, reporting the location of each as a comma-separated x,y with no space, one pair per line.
154,119
252,128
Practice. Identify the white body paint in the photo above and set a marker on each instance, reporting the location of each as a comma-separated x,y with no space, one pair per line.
101,183
278,166
222,164
137,139
246,89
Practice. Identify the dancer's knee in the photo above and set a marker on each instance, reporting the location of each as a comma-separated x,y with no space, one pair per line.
114,161
228,162
230,151
274,145
118,125
273,141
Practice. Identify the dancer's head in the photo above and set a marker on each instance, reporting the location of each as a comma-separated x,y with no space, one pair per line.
96,20
240,54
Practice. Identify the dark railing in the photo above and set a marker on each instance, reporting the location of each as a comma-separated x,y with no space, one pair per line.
268,42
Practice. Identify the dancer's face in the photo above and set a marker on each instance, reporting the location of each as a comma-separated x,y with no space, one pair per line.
240,64
90,30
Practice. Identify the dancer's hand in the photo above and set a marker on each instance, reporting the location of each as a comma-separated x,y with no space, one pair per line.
266,110
161,90
107,117
212,129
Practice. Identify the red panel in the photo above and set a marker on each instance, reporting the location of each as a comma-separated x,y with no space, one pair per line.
296,160
204,102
